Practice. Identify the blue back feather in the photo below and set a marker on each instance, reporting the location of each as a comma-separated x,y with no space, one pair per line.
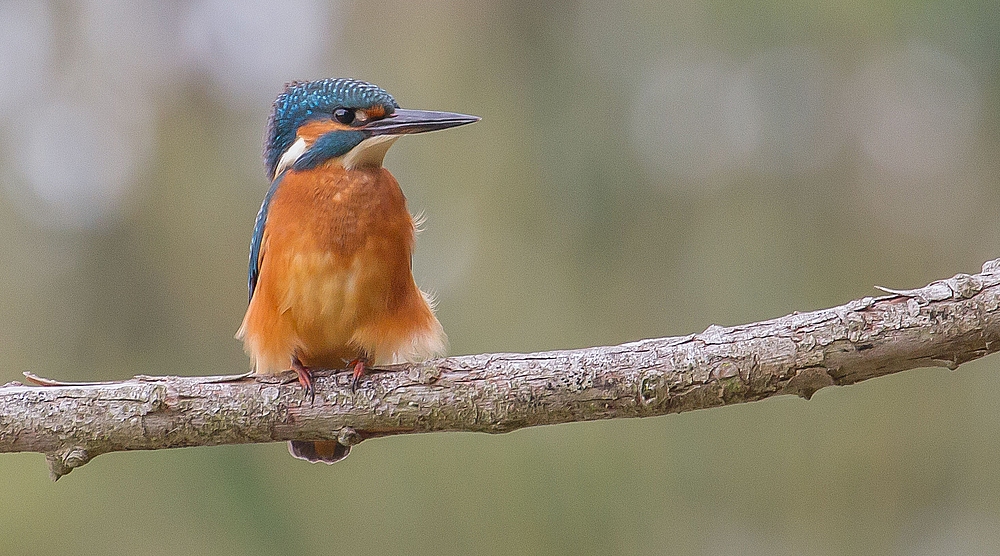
258,237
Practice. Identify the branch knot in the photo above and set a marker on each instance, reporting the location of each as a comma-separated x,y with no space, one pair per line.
60,465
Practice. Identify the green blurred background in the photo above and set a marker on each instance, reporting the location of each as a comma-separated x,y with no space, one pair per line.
643,169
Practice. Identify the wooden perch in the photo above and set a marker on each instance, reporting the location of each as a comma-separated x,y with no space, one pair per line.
945,324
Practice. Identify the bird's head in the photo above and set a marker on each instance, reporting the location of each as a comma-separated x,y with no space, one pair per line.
353,121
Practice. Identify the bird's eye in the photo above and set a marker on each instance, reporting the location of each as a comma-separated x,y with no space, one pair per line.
344,116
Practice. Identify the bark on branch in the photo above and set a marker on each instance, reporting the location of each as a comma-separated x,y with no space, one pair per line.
945,323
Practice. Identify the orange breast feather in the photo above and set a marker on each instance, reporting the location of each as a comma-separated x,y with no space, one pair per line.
335,280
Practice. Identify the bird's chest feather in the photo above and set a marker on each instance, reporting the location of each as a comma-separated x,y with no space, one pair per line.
339,243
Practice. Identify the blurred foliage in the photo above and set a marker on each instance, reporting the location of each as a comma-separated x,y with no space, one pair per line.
642,169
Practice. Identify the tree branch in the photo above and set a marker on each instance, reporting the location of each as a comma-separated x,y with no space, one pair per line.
945,324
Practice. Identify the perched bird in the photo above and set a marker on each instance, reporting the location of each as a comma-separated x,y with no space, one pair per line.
330,279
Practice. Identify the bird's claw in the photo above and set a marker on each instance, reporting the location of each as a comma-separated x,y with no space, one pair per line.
305,379
359,366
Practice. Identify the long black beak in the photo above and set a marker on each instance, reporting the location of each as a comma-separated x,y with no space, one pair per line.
417,121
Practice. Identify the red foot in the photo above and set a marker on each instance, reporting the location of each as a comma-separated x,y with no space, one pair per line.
360,365
305,378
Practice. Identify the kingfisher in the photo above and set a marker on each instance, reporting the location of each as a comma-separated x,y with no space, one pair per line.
330,280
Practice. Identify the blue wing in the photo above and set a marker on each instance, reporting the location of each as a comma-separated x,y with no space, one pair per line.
258,237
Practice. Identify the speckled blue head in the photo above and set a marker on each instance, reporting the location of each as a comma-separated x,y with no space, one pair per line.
305,100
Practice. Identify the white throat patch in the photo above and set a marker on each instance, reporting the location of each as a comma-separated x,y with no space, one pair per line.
369,152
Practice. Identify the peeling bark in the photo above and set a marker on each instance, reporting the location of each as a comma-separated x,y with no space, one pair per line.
946,323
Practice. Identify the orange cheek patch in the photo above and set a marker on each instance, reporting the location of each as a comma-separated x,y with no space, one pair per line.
313,129
375,112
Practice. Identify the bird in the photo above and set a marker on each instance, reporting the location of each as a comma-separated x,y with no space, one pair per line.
330,279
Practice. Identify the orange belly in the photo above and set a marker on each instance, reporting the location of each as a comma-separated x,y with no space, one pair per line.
335,282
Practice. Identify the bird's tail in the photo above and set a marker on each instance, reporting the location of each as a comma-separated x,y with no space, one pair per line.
326,451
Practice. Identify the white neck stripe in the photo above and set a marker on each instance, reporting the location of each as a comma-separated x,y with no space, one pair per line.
298,148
